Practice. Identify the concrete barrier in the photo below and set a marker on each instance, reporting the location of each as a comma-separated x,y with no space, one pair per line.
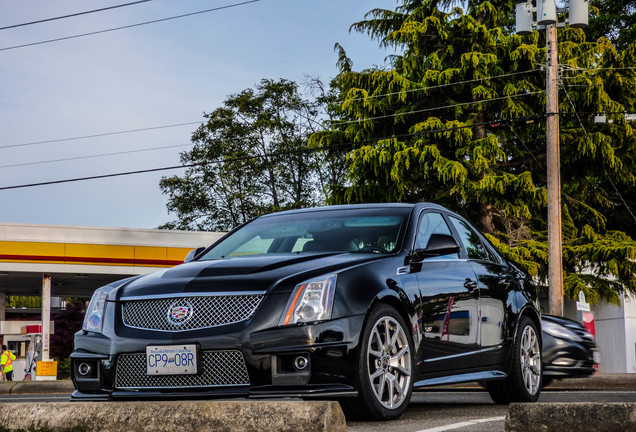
31,387
191,416
571,417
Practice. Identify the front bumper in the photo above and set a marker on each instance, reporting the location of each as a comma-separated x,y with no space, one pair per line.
267,364
563,359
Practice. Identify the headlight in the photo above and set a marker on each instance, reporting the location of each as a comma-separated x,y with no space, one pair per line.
94,318
559,331
311,301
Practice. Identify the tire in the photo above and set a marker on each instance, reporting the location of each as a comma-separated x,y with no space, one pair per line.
385,368
524,381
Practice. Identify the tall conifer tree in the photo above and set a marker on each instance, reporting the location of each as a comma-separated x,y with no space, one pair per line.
459,119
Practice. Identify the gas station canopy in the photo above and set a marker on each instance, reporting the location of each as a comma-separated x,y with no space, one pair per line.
66,261
81,259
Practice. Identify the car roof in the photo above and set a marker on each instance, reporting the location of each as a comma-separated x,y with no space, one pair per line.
360,206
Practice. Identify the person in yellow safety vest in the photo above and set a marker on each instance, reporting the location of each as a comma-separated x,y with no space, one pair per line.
6,362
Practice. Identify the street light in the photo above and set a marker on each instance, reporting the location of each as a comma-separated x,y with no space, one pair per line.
547,16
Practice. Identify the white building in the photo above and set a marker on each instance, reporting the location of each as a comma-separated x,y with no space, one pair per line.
615,334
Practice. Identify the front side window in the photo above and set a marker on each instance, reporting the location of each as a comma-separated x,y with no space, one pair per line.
430,223
472,243
356,230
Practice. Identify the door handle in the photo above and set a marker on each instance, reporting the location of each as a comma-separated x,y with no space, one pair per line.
505,281
470,284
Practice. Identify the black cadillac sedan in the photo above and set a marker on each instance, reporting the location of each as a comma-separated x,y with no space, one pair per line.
362,303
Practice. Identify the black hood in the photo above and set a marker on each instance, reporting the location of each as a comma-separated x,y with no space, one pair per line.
565,322
262,273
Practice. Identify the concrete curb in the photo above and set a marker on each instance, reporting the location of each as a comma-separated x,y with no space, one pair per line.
610,381
593,382
30,387
193,416
571,417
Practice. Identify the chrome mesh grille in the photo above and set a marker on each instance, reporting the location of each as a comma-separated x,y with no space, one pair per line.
218,368
206,311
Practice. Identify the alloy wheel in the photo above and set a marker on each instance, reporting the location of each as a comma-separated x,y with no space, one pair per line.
530,360
389,362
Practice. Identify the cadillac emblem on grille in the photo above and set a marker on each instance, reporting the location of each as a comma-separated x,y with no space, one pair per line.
180,312
177,314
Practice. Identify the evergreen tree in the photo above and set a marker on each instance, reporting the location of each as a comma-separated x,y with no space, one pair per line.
458,119
613,19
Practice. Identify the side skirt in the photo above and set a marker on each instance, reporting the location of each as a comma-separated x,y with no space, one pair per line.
453,379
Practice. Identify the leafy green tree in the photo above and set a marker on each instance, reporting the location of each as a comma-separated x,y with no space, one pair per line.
250,157
24,302
613,19
458,118
332,166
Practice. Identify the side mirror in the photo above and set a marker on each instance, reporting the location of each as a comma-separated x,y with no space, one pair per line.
193,254
438,245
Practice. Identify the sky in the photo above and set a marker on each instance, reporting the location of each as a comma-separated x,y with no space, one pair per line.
54,95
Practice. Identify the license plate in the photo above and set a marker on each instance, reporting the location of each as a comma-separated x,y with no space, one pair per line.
171,360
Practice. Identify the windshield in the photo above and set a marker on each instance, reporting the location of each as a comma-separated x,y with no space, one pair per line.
373,230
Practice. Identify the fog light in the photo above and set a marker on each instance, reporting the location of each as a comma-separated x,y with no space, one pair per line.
84,369
300,362
563,361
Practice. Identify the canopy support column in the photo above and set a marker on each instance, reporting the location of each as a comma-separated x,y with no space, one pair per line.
46,316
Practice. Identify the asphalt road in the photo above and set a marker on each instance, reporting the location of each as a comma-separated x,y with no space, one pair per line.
433,411
473,411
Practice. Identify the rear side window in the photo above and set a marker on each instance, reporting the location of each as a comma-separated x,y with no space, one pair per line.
472,243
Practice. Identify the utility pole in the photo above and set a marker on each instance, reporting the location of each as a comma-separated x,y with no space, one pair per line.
547,16
555,239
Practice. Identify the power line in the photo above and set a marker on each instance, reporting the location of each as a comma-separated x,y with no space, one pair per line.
337,123
73,15
192,123
580,69
525,145
78,179
238,159
602,165
130,26
93,156
442,85
107,154
130,151
98,135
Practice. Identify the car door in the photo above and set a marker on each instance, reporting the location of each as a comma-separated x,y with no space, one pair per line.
449,303
494,284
